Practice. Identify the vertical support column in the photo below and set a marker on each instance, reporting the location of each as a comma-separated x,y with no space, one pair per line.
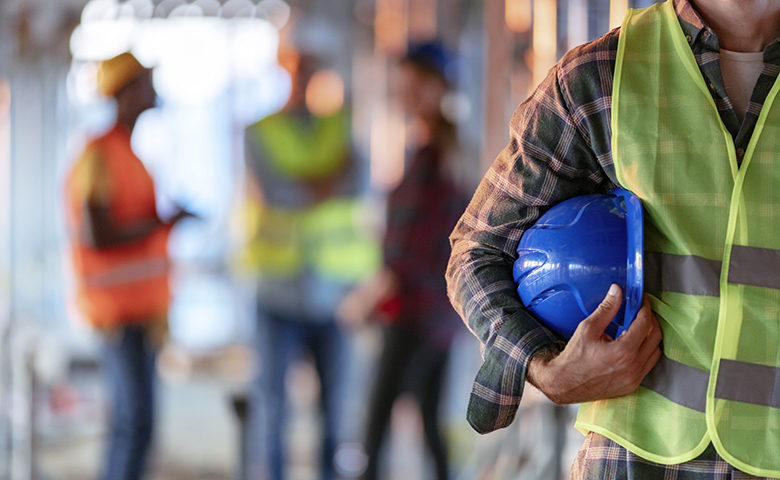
423,20
7,45
5,274
544,39
495,73
577,24
391,30
617,11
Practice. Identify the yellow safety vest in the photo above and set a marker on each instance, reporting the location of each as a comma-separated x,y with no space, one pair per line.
712,259
313,147
330,238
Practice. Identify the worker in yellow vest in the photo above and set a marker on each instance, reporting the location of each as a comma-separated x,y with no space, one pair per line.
119,249
679,106
308,245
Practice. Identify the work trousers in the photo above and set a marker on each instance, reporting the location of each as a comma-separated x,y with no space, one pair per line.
281,341
129,366
406,363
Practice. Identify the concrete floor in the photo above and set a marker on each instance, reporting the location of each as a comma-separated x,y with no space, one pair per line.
198,434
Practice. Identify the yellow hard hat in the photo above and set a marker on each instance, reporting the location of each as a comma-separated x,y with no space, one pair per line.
116,72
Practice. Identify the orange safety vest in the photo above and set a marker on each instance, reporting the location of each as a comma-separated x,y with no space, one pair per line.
126,283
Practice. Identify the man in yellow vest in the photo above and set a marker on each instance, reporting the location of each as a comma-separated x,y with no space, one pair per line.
120,258
678,105
308,247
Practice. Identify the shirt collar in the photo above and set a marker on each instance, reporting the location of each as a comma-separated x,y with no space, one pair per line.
698,34
701,37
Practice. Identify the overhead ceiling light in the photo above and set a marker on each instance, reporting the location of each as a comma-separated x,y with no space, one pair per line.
142,9
210,8
187,10
254,44
166,7
96,10
275,11
98,40
237,9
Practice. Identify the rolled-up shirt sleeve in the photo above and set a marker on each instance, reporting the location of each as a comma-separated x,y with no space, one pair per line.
550,157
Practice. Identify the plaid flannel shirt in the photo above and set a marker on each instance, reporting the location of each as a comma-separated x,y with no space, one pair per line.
421,212
559,148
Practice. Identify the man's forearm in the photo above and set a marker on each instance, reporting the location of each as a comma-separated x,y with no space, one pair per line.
101,232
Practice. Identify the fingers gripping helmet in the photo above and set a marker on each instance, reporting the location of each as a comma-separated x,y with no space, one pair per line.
574,252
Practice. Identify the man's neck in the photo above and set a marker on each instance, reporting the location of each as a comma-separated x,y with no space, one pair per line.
742,25
127,120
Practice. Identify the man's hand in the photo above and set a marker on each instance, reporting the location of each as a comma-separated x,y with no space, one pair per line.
593,366
361,303
181,214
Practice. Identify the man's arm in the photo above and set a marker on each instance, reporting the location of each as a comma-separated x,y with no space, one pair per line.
557,150
98,229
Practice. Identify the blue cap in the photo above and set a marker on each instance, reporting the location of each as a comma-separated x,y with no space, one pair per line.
575,251
435,58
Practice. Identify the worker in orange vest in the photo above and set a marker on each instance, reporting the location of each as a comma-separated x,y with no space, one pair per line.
120,260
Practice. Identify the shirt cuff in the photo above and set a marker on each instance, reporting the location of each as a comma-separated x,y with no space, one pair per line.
498,387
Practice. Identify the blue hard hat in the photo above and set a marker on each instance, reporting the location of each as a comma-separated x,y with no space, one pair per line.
574,252
435,58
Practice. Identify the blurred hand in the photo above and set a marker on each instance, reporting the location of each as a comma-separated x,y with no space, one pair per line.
353,311
359,306
593,366
181,214
157,331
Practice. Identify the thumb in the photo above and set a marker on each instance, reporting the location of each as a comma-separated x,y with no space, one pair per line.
597,321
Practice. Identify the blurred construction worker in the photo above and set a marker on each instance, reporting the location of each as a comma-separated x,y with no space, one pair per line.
120,258
308,246
679,106
408,296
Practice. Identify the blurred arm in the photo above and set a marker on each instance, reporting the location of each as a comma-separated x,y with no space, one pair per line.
98,228
101,232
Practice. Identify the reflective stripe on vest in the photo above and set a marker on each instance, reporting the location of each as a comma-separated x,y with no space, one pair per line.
328,239
737,381
755,266
713,261
692,275
128,272
275,245
338,243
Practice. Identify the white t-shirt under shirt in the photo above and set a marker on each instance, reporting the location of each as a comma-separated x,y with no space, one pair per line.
740,73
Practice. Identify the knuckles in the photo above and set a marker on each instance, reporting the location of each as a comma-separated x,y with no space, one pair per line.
626,358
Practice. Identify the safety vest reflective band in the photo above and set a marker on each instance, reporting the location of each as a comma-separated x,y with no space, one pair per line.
338,243
755,266
713,258
330,239
737,381
275,245
128,272
665,272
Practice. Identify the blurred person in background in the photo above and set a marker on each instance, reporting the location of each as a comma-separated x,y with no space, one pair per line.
308,247
120,258
408,296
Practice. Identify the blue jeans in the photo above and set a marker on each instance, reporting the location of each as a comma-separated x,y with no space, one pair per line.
129,366
281,340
